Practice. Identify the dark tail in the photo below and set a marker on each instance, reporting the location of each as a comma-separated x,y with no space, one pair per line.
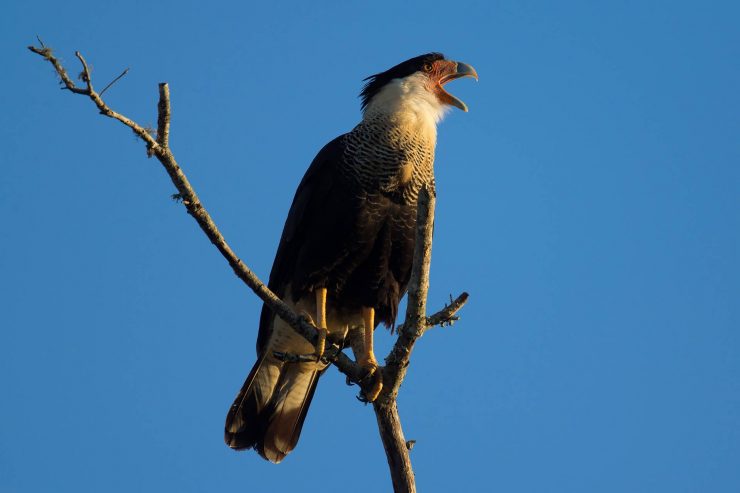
269,410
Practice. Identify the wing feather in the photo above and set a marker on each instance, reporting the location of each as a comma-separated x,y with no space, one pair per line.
316,201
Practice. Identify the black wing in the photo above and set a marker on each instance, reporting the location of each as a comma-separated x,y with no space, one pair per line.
314,228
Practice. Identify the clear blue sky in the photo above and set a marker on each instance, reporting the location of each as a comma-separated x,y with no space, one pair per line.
589,202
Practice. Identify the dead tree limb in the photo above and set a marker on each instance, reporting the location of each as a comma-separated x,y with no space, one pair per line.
416,323
386,409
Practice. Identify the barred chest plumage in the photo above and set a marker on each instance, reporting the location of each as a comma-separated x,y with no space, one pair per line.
392,155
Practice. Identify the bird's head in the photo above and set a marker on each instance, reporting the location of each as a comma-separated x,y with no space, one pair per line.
417,85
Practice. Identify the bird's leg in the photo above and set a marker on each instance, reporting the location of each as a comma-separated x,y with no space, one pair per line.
321,322
367,360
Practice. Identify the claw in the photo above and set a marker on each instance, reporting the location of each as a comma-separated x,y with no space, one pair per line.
367,360
376,374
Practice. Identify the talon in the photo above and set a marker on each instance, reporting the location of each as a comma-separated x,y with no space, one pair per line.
367,360
376,374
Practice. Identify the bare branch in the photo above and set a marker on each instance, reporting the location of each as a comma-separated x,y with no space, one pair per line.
446,316
114,81
163,122
90,92
85,75
46,52
394,443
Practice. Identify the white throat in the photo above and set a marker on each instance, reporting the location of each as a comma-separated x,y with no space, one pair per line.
409,101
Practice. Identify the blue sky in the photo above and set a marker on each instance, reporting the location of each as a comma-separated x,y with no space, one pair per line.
588,202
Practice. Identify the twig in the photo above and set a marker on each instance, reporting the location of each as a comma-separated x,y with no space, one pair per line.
85,75
152,145
46,52
163,120
446,316
114,81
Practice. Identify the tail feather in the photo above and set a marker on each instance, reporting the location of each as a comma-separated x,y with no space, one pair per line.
244,425
269,411
287,412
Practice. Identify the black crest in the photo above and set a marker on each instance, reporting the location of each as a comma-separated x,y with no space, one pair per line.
375,83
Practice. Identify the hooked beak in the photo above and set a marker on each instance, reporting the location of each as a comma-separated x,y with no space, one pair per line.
460,70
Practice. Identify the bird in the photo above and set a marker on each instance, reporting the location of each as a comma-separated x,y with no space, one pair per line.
345,254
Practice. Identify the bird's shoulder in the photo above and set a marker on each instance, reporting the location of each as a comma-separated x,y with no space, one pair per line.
315,188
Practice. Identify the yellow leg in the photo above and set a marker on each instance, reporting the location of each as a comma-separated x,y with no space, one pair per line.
321,321
368,356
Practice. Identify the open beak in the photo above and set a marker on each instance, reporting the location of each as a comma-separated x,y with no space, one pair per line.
460,70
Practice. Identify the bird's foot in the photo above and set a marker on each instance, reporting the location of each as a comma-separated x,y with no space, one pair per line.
372,382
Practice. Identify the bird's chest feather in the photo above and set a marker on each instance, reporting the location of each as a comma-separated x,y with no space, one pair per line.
391,156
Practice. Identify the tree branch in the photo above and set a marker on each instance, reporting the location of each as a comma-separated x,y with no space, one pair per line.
416,322
446,316
163,121
114,81
394,443
385,407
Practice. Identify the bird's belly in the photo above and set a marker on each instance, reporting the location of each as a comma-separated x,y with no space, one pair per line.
380,276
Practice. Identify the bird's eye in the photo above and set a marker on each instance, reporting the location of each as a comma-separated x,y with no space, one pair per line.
427,67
